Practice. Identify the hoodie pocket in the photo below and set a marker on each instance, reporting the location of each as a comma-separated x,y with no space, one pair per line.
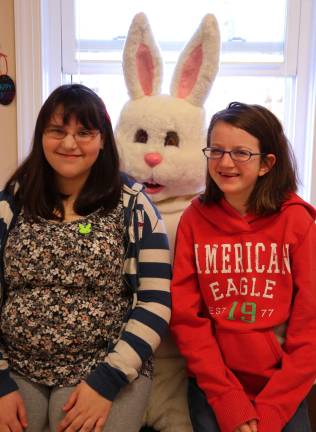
255,352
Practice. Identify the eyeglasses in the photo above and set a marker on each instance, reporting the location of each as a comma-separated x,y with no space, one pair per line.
82,136
236,155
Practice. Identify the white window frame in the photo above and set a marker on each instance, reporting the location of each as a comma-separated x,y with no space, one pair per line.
28,70
38,72
38,63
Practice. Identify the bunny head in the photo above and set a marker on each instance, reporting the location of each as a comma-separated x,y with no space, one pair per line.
160,137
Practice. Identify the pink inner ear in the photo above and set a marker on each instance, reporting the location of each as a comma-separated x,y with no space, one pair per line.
145,68
190,71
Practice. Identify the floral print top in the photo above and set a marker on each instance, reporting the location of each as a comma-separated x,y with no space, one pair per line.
65,295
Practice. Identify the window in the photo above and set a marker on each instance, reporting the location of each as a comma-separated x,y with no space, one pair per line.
268,56
258,61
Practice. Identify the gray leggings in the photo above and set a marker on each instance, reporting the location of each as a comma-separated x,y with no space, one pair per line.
44,405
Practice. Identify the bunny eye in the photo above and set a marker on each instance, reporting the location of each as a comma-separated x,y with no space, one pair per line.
172,139
141,136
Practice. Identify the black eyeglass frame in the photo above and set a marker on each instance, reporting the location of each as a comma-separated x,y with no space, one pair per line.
205,150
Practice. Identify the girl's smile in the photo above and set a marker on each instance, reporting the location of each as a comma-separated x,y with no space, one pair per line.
236,179
71,150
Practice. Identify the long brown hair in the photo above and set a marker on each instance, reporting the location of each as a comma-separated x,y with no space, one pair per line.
272,189
38,192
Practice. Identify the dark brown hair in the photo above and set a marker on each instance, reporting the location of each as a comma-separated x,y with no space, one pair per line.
272,189
38,192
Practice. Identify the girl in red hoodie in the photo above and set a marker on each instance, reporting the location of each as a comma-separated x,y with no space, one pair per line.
244,285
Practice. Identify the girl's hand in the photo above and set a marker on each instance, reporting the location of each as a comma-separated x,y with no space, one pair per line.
12,413
86,409
251,426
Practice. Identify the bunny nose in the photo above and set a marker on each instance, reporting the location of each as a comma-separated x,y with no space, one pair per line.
153,159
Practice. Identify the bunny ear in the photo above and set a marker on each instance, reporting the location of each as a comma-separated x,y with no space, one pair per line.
142,64
198,63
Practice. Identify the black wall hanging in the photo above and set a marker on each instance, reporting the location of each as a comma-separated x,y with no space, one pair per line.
7,86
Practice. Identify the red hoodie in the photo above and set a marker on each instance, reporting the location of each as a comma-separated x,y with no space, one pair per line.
238,284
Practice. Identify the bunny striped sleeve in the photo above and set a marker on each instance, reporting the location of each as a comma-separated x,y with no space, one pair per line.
148,272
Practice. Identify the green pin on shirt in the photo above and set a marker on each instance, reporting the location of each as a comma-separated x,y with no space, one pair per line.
84,228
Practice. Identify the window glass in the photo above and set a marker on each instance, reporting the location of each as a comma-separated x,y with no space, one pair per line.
249,31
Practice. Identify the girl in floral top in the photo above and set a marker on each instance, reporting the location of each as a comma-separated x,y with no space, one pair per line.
84,277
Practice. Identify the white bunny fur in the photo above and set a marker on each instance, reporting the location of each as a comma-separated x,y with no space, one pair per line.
180,170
